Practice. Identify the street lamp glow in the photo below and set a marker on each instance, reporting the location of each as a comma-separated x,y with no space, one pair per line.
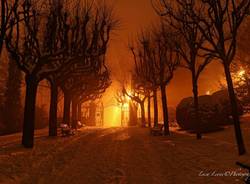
126,105
241,73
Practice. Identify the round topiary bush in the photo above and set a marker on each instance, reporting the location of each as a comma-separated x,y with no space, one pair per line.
214,111
185,114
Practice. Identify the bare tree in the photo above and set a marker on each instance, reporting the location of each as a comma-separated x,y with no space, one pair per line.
165,59
27,44
219,23
78,88
177,16
155,63
91,38
138,94
144,73
8,10
92,89
51,39
149,111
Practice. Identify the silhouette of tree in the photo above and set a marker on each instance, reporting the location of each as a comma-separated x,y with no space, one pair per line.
149,111
95,32
219,23
139,95
53,39
155,64
8,9
92,89
165,59
144,74
176,15
28,45
85,79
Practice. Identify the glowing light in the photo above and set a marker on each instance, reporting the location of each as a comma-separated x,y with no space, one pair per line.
208,93
129,93
241,73
126,105
116,115
112,116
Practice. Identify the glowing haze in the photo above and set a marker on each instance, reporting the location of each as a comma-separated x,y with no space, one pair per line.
134,16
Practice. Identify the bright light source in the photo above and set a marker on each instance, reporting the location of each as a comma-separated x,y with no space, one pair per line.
241,73
126,98
129,93
126,105
208,93
112,116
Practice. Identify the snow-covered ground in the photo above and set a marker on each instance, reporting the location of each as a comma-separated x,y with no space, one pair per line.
123,155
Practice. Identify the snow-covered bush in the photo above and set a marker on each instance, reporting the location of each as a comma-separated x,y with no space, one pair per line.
185,114
214,111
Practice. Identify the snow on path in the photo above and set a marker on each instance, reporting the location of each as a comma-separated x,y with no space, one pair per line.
121,156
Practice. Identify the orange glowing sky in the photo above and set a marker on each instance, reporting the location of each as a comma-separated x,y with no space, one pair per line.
135,15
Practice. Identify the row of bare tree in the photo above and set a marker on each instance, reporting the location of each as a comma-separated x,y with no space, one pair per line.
64,42
155,60
191,34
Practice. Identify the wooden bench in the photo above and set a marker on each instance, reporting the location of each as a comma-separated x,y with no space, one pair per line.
66,130
157,130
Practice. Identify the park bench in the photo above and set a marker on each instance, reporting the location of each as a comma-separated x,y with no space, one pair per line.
157,130
79,124
66,130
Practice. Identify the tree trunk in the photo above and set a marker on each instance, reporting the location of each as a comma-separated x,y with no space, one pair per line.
143,119
235,114
53,110
165,110
1,45
92,114
122,115
74,114
196,107
155,109
132,114
29,113
66,110
102,114
79,112
149,111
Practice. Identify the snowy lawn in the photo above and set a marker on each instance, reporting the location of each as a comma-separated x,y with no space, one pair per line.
124,155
